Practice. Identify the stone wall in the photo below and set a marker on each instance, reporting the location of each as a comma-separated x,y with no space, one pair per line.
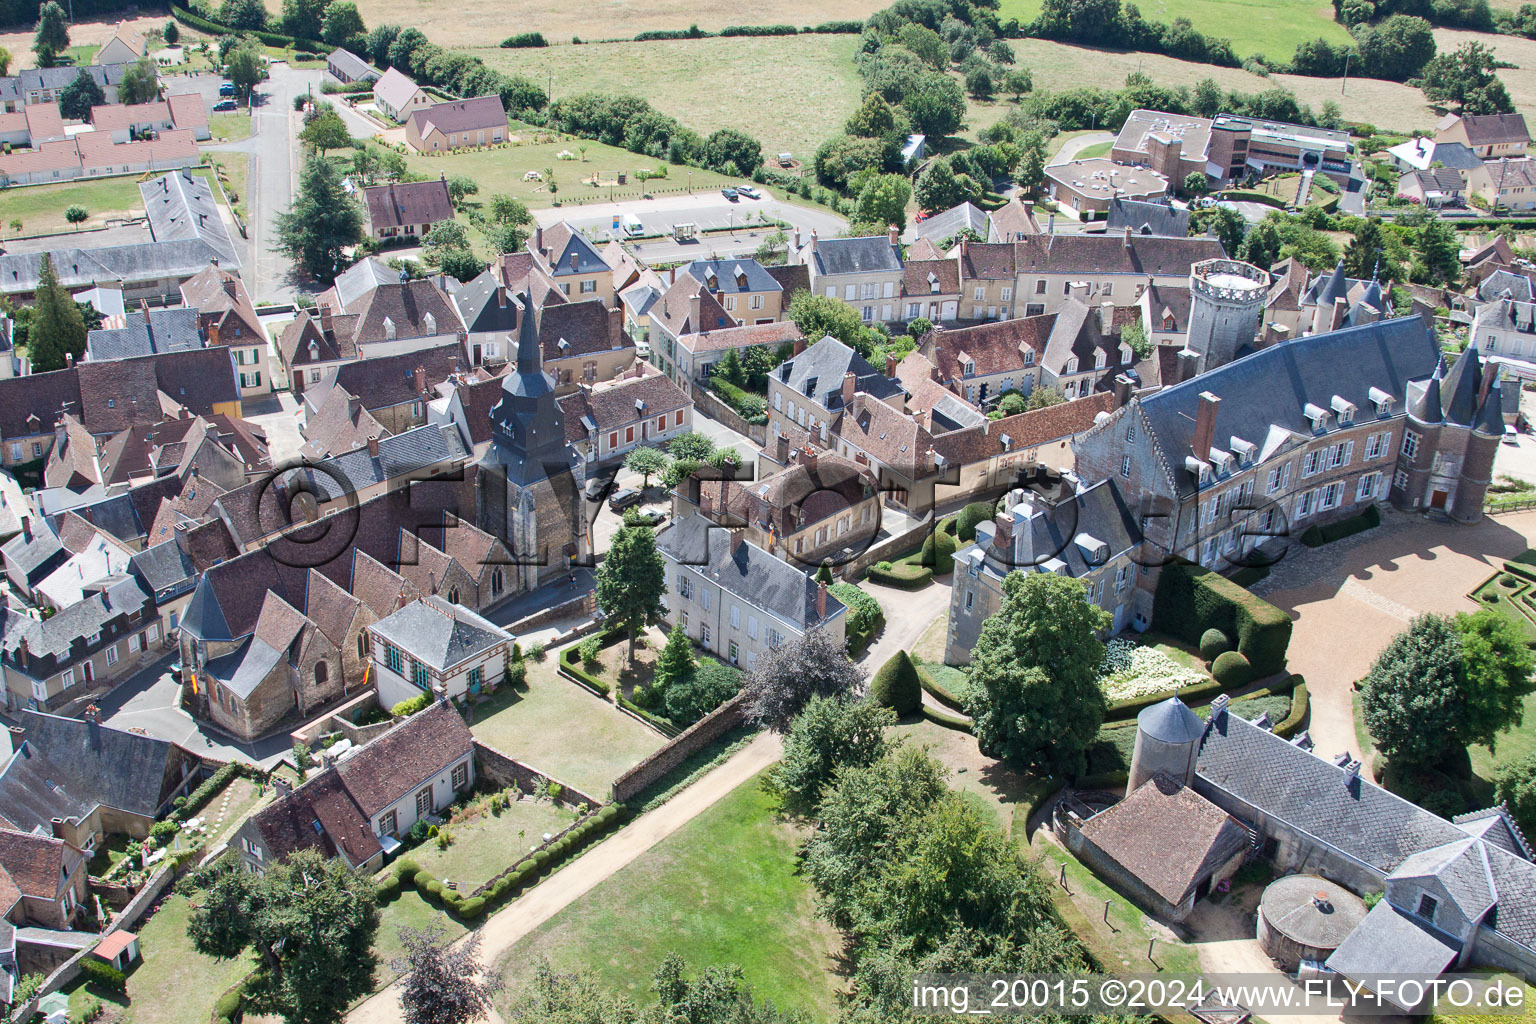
709,405
503,771
586,604
688,742
884,551
340,719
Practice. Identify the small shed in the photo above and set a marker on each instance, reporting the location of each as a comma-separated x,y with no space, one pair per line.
119,948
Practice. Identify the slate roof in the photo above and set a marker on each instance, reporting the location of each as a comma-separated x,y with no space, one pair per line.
399,203
395,764
723,275
386,381
818,374
163,330
1146,218
1273,386
872,254
440,634
1437,179
557,244
399,455
34,557
355,67
1497,826
757,578
242,670
476,113
164,569
32,794
952,221
1497,283
181,207
1391,942
1058,538
484,305
102,764
1167,836
1103,254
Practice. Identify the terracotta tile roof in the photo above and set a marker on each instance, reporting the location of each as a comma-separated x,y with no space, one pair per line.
221,297
29,406
618,403
339,425
1023,430
674,311
329,607
931,277
394,88
743,337
923,249
279,623
398,762
994,348
987,261
408,202
470,546
816,484
585,327
378,586
792,277
888,436
387,381
289,824
37,864
197,379
1012,222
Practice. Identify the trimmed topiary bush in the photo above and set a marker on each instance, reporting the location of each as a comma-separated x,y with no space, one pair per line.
897,686
974,514
1232,669
1192,599
1213,644
541,861
939,552
472,907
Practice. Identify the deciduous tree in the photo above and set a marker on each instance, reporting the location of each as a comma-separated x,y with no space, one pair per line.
646,461
883,200
828,735
1034,683
245,66
784,678
243,14
310,921
443,982
342,23
631,582
820,315
326,131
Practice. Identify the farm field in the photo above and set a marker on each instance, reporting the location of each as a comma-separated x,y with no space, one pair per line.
1520,80
723,889
789,92
480,21
1269,27
86,36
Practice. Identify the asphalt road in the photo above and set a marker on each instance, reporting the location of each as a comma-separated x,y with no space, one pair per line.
709,210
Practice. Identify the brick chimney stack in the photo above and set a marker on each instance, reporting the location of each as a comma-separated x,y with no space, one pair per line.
694,305
781,449
1340,311
373,446
850,386
799,346
325,318
1127,236
421,379
574,258
26,527
894,234
821,599
1205,425
890,365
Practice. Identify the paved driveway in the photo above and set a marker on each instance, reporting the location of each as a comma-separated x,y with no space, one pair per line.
1349,598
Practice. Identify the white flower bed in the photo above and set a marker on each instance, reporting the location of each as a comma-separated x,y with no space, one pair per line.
1131,670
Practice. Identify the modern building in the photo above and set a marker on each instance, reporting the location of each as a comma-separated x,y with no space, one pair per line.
1088,186
406,209
457,124
396,96
346,67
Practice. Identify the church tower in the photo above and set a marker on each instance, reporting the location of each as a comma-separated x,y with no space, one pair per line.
529,487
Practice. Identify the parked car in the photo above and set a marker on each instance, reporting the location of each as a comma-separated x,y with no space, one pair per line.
646,517
224,105
226,88
730,194
624,498
748,191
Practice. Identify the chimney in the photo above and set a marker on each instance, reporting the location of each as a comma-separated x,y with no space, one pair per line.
229,284
694,303
574,260
890,365
1340,311
1205,425
1127,236
821,599
69,359
26,527
965,245
23,655
1275,334
1189,365
813,240
780,450
1050,228
1106,317
538,238
373,446
894,233
807,456
706,505
325,318
213,334
421,379
60,436
797,239
799,346
1078,290
850,385
282,785
58,823
501,296
194,472
1123,387
738,538
1003,538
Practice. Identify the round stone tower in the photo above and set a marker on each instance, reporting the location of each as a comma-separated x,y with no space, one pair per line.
1167,740
1225,310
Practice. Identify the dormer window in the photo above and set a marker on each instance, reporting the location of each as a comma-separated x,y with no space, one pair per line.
389,328
1029,357
1382,400
1098,360
431,323
1221,461
933,283
970,368
1071,366
1126,353
1316,415
1198,468
741,278
1344,408
1169,323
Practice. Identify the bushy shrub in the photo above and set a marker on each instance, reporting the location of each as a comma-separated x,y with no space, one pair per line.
537,650
524,39
411,706
419,831
228,1006
1214,643
973,515
160,831
1231,669
472,907
1191,599
896,685
590,649
541,861
939,552
388,888
103,975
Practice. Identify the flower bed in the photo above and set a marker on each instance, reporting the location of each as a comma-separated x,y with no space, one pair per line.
1131,670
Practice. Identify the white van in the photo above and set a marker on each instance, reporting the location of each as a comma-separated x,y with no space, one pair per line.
632,225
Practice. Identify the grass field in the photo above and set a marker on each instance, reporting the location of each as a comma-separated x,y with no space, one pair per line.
484,847
1268,27
40,208
1520,80
723,889
789,92
563,730
407,910
172,984
230,127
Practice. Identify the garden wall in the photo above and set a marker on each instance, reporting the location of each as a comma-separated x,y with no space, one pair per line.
885,551
585,604
715,409
688,742
502,770
340,720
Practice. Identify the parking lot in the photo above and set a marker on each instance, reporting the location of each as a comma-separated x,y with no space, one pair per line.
735,228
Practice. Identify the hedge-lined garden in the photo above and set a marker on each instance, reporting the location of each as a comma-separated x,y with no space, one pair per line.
1191,599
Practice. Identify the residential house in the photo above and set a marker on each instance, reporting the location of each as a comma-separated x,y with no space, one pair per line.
737,600
686,307
691,357
49,874
1437,187
406,209
564,258
1165,308
931,289
468,407
1114,268
744,288
604,422
396,96
1505,183
582,342
435,647
46,85
1090,535
80,649
358,808
125,46
892,443
126,122
346,67
1012,222
1490,136
146,332
983,362
949,225
32,555
394,389
1421,154
991,456
95,154
457,124
809,389
490,314
864,272
227,316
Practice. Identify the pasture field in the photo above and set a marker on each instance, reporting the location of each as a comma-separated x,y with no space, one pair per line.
1272,28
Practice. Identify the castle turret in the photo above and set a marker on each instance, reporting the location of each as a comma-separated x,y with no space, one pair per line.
1167,741
1477,463
1226,305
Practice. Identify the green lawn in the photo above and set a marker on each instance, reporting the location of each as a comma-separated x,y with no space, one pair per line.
1268,27
40,208
407,910
563,730
491,843
230,127
172,984
723,889
789,92
234,171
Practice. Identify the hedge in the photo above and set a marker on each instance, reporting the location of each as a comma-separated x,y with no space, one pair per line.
939,551
974,514
1036,792
938,717
904,576
524,39
202,794
103,975
1300,703
939,692
1248,575
1191,599
1243,195
277,39
570,667
227,1009
758,30
865,616
1317,536
1213,644
663,725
